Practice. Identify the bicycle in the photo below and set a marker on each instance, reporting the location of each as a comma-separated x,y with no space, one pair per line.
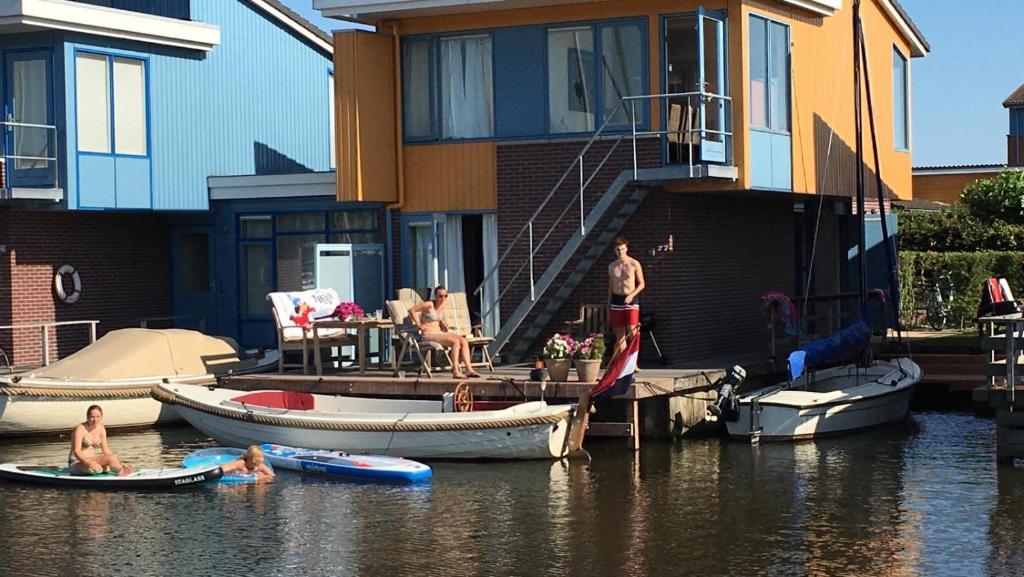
937,304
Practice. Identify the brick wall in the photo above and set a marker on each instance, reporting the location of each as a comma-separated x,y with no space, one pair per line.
123,261
730,248
526,175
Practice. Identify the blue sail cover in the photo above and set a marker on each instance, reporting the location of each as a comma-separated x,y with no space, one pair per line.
843,345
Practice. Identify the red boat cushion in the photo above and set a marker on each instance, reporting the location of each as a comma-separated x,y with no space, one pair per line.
290,400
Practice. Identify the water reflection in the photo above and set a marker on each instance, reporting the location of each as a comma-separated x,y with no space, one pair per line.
910,500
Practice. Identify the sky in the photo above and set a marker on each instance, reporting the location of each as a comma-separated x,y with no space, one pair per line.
957,90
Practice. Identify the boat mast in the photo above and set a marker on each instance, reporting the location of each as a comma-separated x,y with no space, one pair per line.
890,257
858,135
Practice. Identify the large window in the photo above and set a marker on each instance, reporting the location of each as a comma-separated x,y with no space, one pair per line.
279,250
459,71
590,72
530,81
769,75
900,104
110,93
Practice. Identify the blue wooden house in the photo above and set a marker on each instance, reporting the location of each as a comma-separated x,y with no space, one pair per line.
153,146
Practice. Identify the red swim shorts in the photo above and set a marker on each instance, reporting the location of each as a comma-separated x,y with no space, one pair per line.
622,315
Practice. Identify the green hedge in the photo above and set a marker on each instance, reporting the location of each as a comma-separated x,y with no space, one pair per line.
967,270
957,229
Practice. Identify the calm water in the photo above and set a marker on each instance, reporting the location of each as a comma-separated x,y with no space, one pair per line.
922,499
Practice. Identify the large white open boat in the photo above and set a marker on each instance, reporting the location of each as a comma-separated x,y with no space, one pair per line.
117,373
403,428
827,402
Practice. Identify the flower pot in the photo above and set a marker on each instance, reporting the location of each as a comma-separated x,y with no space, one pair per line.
558,369
587,370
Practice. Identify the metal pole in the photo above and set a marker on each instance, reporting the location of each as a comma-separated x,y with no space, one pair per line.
632,120
92,332
1011,362
583,226
533,293
46,345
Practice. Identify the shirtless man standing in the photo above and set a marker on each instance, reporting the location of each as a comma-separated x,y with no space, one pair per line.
625,282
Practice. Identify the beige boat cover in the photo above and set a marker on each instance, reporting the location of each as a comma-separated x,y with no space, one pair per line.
140,353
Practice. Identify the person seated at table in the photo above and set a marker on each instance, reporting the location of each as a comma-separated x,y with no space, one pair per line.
85,438
426,317
251,463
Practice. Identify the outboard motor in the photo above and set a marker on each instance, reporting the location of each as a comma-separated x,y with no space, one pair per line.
726,406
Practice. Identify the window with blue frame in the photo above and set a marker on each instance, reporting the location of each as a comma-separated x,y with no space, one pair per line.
529,81
110,103
291,237
590,69
900,102
448,86
769,75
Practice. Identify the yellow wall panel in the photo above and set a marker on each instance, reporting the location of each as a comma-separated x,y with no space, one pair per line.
822,91
946,187
365,117
450,177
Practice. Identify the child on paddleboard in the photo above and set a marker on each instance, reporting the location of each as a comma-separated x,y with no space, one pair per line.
250,464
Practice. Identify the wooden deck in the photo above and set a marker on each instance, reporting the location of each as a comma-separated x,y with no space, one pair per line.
506,383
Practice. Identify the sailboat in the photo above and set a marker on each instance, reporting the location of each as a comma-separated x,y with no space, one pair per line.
821,398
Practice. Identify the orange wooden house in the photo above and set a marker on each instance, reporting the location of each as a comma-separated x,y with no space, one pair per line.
512,140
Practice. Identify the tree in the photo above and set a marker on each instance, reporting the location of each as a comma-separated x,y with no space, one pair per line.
996,199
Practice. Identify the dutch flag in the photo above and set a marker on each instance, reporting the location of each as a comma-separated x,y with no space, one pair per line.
619,376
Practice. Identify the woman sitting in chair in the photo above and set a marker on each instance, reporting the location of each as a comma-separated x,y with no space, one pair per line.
427,319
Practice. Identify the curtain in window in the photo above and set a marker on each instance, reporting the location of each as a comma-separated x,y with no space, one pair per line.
416,88
30,100
489,296
467,99
622,66
129,106
455,276
92,111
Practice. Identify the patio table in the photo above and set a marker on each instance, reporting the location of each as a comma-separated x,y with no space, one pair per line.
362,327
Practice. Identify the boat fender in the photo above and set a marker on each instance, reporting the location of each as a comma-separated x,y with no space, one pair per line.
58,284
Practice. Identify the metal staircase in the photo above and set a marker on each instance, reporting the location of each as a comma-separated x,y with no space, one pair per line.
597,227
538,322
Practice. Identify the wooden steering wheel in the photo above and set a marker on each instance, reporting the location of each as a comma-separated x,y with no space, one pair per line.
463,398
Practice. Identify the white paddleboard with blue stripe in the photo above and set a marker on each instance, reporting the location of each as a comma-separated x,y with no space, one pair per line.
379,467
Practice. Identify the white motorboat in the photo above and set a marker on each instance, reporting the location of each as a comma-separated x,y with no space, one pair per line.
117,373
403,428
826,402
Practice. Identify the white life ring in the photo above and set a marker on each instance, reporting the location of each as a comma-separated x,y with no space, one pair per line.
58,284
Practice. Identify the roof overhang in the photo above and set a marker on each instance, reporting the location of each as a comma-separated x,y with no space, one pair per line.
822,7
918,45
272,186
27,15
372,11
288,18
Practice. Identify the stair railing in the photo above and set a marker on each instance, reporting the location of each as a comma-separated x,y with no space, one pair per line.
687,131
527,231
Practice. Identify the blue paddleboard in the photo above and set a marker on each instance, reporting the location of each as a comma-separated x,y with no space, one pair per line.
378,467
217,456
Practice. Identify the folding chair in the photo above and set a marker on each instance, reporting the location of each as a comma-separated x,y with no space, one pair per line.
407,339
593,319
455,314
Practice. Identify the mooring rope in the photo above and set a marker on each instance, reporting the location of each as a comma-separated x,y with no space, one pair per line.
170,398
77,393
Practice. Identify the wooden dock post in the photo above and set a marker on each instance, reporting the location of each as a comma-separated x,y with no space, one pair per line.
1005,364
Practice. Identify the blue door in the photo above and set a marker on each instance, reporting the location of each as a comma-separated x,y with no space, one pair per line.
195,290
29,140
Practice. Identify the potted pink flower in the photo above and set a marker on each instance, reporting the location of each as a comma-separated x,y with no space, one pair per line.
349,311
589,353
